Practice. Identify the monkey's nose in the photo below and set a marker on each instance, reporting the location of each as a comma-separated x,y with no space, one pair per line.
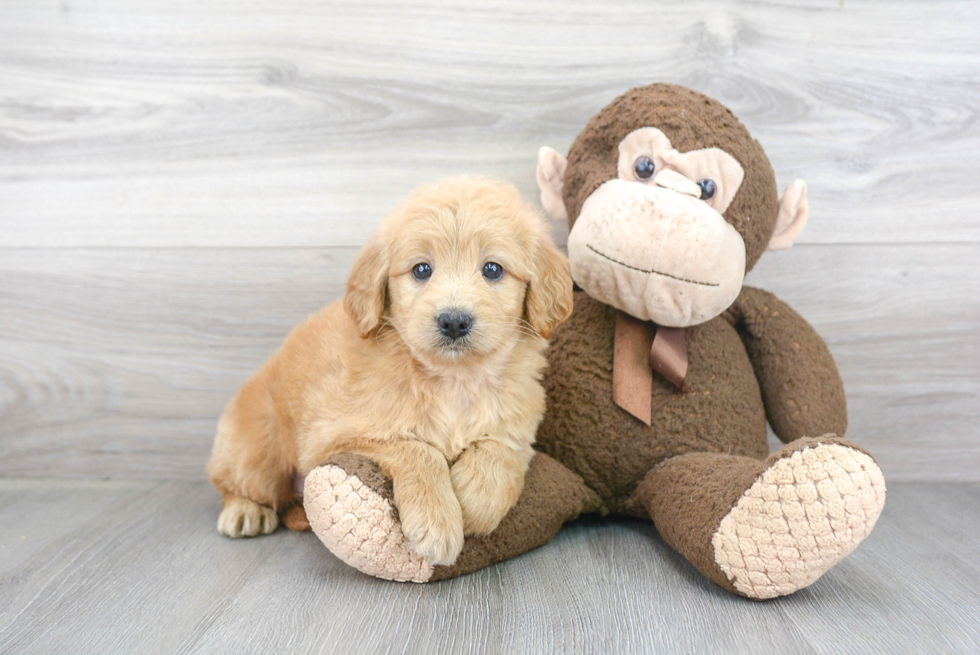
674,181
454,324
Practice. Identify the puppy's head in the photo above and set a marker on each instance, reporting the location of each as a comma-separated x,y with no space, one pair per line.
462,269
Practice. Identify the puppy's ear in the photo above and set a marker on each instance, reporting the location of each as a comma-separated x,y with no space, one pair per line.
364,301
549,292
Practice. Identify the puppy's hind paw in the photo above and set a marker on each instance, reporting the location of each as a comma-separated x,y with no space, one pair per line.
242,517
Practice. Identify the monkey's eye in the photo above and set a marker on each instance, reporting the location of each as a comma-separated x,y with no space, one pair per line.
707,188
422,271
493,271
644,168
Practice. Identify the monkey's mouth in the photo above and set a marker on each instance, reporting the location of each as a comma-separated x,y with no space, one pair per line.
650,271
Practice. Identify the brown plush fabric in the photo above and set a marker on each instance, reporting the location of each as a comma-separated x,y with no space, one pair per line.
758,360
552,495
801,388
691,121
688,496
721,410
369,473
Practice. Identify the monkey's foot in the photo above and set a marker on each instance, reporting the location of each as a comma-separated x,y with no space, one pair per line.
349,504
816,501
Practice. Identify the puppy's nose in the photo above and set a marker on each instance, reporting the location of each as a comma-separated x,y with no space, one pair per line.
454,324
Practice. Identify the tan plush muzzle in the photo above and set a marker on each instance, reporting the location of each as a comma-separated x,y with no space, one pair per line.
657,253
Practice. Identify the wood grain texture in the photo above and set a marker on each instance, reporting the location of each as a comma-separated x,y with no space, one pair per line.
145,571
118,362
256,123
182,182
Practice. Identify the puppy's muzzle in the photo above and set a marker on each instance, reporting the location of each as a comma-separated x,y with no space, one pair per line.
454,324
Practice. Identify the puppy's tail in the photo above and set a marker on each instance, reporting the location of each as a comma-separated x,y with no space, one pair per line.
295,519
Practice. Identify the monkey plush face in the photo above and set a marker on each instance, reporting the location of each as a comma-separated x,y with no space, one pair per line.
669,203
653,241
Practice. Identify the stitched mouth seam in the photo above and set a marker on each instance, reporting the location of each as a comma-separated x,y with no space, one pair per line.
643,270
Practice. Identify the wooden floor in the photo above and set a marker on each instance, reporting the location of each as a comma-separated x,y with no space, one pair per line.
138,567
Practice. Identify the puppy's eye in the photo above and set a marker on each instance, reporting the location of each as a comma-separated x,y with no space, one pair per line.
707,188
644,168
493,271
421,272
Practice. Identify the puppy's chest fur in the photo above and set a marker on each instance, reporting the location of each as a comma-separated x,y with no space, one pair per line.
449,409
468,404
463,407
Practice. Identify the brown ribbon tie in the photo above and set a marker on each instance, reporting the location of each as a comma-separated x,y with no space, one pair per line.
640,348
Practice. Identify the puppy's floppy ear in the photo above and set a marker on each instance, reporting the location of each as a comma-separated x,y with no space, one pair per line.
549,291
364,301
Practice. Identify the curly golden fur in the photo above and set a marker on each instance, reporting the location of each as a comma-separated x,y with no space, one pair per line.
450,421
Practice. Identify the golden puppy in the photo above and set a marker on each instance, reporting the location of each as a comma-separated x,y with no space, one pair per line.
430,366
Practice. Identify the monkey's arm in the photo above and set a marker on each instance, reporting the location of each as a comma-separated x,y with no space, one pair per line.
801,388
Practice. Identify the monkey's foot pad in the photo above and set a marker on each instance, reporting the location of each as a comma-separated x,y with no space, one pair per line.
801,516
357,521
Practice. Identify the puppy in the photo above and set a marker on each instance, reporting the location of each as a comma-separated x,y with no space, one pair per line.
430,366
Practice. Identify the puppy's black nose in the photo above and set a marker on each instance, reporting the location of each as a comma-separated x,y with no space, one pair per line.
455,324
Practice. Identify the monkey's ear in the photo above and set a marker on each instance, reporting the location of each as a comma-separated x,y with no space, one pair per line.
793,212
551,179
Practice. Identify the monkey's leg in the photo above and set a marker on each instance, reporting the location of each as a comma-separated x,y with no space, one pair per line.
350,506
766,528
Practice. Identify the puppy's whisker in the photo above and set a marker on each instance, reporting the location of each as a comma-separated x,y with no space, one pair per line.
525,324
387,337
385,322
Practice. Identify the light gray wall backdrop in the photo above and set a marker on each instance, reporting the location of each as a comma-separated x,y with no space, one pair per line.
181,182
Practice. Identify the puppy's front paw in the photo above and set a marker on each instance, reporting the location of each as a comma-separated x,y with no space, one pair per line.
485,492
242,517
434,529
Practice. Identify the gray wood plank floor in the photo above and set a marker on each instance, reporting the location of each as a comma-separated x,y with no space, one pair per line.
138,567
